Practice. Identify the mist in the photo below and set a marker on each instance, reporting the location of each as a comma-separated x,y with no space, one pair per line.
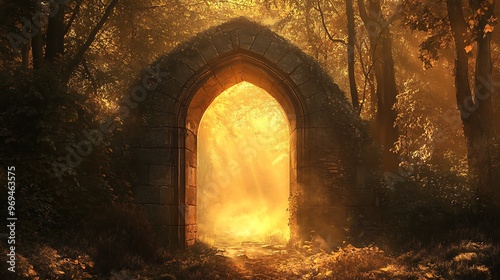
242,137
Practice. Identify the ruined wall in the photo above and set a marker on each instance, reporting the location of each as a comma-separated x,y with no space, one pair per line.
328,178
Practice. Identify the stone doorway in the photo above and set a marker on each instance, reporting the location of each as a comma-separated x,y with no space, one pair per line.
327,181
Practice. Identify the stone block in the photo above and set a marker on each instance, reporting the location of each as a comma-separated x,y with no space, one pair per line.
159,119
156,138
191,231
316,195
293,159
222,43
289,62
299,157
191,159
190,195
161,175
141,174
212,86
167,195
260,44
163,104
247,37
161,215
311,87
276,51
301,74
321,219
321,119
156,156
235,39
207,50
319,103
191,176
240,73
167,235
169,87
226,78
193,59
324,137
180,72
191,141
191,215
314,175
147,194
200,101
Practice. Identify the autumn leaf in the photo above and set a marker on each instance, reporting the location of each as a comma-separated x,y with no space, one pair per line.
468,48
488,28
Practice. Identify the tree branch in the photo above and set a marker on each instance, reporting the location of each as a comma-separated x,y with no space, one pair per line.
90,39
362,11
73,16
326,28
89,75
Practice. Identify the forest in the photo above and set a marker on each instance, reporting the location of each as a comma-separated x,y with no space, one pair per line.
421,77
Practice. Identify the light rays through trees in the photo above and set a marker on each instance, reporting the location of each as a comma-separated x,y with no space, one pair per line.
243,168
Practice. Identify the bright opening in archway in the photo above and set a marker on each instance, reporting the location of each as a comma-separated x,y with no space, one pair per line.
243,169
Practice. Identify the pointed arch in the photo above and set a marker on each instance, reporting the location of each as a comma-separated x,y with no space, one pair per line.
326,181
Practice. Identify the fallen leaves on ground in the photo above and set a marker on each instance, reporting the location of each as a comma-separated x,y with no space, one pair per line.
466,260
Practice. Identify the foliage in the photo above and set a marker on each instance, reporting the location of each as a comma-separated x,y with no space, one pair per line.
471,258
430,131
44,121
120,238
431,203
42,117
429,17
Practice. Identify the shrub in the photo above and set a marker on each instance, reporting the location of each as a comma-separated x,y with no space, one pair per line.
121,238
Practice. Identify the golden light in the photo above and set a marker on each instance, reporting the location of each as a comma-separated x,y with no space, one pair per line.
243,169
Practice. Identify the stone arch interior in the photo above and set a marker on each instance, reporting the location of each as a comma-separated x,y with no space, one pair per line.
243,169
216,82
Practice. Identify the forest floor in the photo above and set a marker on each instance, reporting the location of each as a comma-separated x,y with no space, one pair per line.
462,260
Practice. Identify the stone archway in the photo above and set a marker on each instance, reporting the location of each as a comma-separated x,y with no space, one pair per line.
326,183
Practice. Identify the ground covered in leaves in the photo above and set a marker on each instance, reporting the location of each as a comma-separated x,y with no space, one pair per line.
462,260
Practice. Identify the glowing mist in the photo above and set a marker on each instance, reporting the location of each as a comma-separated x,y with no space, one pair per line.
243,169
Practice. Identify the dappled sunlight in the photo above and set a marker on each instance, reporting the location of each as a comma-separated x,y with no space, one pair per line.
243,169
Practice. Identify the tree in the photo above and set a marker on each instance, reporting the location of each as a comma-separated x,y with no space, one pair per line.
379,35
467,25
474,103
351,42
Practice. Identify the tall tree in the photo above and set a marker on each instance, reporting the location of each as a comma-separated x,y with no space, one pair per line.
351,42
379,34
474,103
54,37
468,25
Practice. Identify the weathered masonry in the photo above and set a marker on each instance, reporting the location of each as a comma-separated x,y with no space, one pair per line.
327,180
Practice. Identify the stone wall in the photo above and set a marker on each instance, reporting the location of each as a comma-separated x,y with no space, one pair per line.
327,177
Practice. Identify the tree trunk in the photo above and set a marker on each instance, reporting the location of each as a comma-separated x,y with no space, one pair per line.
73,63
37,50
483,94
476,109
54,45
351,41
25,55
383,66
